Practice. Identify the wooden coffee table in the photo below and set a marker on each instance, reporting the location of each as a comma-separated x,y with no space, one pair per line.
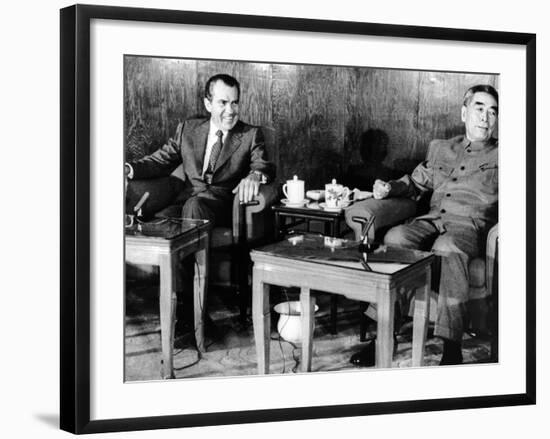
296,216
162,243
333,265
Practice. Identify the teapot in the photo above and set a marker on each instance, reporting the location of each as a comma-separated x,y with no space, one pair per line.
336,195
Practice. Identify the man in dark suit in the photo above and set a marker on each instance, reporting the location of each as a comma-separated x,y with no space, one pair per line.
461,175
221,156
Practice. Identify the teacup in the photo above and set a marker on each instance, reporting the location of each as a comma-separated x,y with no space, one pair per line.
336,195
294,190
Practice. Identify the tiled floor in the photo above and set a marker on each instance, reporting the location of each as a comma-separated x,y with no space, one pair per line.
231,350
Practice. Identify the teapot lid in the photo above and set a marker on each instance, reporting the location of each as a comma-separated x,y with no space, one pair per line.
333,181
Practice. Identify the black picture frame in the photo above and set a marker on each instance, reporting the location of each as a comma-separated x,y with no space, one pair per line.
75,217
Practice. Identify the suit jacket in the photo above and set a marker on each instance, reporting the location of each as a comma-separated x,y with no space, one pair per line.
243,151
463,179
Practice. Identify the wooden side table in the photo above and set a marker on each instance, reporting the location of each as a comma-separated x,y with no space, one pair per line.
162,243
310,264
301,215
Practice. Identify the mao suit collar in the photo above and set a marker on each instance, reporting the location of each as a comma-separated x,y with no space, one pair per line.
478,146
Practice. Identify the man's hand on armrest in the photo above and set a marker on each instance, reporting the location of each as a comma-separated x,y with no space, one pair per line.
388,212
249,187
381,189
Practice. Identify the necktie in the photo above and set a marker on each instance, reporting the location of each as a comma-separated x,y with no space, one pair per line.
214,154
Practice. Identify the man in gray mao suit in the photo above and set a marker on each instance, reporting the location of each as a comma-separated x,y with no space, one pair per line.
461,177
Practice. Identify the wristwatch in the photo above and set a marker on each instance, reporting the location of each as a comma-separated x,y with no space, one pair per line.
263,178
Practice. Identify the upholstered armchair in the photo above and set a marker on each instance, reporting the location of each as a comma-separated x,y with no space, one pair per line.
392,211
252,225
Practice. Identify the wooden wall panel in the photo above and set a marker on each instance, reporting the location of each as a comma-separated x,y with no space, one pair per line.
388,101
159,93
255,103
353,124
283,79
310,107
286,117
315,118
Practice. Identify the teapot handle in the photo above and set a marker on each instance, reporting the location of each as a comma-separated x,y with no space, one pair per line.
284,190
345,193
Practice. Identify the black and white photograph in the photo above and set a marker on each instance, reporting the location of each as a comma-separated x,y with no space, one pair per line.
292,218
267,220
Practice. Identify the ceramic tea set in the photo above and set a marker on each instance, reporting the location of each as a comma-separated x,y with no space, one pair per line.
334,198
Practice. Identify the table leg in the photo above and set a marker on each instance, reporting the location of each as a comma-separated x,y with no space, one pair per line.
385,317
333,314
332,230
200,288
167,301
278,231
421,320
261,320
307,305
328,228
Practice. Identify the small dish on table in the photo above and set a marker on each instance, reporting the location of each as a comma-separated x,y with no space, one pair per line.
330,209
288,203
316,195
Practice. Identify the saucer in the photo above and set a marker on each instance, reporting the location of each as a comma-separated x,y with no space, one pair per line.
313,205
287,203
329,209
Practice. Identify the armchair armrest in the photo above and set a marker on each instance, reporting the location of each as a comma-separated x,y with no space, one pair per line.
387,212
491,255
253,219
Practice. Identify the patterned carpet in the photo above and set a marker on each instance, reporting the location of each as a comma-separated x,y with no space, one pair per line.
230,346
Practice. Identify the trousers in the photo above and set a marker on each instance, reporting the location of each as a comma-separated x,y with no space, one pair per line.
201,206
456,242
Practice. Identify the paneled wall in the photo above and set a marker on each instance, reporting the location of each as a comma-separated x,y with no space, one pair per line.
315,118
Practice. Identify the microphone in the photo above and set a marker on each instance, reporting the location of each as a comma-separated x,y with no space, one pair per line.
140,203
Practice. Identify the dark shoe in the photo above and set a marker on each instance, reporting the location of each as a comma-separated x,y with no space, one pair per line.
184,326
184,315
366,356
452,353
211,330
